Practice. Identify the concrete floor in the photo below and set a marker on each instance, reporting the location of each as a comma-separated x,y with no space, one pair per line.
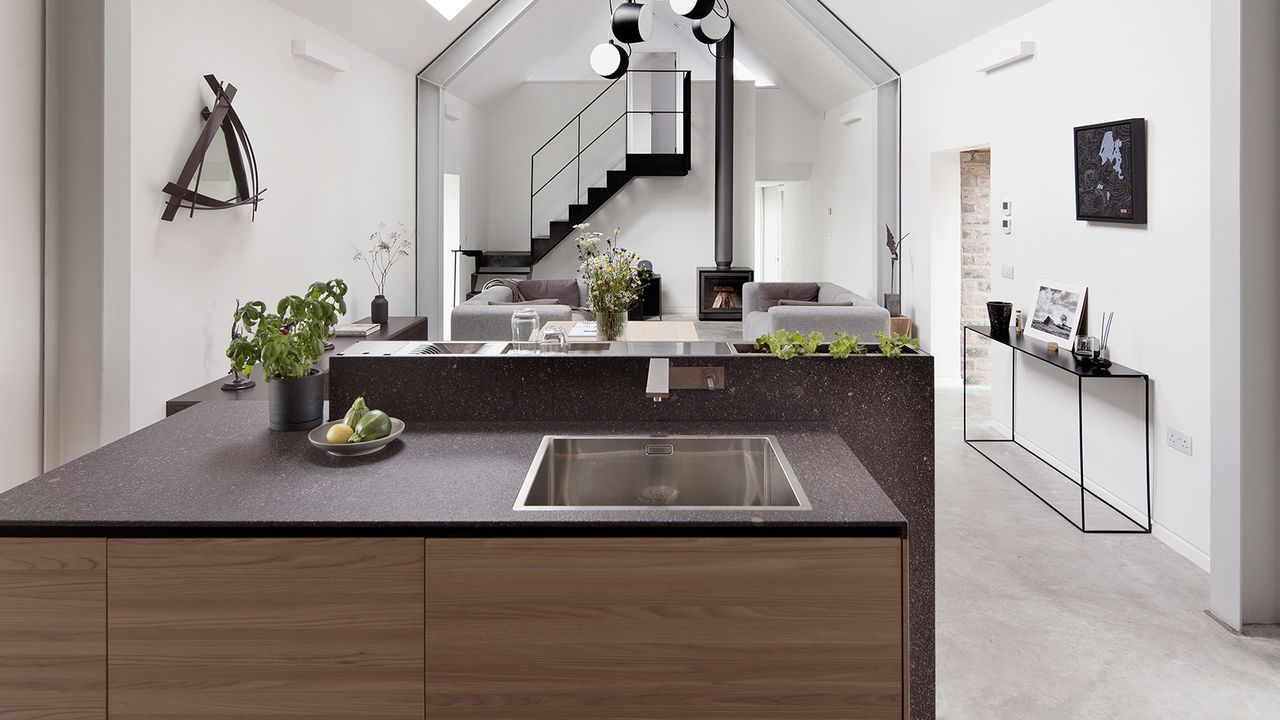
1037,621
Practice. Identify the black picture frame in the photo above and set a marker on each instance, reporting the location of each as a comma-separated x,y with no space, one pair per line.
1103,193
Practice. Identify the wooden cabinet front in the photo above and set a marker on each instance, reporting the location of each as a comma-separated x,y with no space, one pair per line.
326,629
741,628
53,623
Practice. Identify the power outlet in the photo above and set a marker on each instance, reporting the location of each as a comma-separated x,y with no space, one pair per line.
1006,272
1179,441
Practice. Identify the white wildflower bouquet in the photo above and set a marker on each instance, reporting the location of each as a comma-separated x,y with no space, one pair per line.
610,271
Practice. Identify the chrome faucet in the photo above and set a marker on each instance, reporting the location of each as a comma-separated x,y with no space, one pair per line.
663,379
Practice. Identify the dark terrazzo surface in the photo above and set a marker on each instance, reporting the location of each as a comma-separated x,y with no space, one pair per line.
882,408
217,465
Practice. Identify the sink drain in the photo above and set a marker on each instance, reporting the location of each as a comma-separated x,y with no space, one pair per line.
659,495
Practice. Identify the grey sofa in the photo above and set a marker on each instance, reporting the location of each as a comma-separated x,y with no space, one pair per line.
863,318
477,319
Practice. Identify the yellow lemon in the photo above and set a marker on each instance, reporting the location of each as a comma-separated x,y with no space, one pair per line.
339,434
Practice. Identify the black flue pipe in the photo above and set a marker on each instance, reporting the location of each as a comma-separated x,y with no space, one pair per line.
724,152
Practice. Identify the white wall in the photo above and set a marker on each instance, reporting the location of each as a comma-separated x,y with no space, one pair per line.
844,197
21,167
335,154
1155,277
1245,64
671,220
786,137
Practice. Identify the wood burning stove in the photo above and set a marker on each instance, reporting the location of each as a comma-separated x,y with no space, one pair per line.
720,292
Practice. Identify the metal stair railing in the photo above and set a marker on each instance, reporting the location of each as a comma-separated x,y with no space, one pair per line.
684,98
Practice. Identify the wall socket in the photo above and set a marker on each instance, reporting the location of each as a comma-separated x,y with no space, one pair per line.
1179,441
1006,272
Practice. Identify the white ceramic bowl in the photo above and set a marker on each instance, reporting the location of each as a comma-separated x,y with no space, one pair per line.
317,438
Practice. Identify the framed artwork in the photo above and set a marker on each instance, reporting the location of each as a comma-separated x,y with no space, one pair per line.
1111,172
1057,311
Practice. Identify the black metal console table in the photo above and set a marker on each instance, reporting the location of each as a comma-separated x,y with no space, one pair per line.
1062,360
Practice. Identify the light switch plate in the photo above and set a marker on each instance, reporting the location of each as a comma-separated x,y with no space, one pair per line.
1006,272
1007,225
1179,441
1007,207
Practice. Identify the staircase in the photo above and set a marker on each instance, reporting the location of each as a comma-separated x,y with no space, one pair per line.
616,148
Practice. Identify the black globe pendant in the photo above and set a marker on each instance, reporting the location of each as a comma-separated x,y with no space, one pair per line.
633,22
712,28
693,9
609,60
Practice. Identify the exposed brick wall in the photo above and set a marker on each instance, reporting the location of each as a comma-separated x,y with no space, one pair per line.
975,249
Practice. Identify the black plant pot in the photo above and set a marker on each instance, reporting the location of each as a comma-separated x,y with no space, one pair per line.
296,403
379,309
1000,314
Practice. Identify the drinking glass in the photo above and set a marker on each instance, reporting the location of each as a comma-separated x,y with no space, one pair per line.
524,325
554,340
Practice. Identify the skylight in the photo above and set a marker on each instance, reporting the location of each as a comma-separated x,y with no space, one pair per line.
449,8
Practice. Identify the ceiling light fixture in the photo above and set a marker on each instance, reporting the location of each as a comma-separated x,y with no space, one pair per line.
609,60
693,9
712,28
449,8
633,22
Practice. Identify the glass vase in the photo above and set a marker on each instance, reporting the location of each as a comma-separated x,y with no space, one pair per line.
610,326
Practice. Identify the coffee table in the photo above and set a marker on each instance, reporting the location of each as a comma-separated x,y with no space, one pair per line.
639,331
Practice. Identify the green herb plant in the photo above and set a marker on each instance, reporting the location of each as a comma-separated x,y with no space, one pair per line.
786,345
892,344
289,340
845,345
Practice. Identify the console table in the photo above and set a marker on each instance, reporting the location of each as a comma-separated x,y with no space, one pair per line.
396,328
1063,361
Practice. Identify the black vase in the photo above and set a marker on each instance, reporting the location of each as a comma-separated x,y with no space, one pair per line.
379,309
296,403
1000,314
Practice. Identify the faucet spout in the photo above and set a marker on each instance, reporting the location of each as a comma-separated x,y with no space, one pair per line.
659,386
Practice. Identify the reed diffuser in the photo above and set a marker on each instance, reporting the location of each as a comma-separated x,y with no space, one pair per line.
1103,359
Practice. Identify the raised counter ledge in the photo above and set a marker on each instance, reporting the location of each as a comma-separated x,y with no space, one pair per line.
216,468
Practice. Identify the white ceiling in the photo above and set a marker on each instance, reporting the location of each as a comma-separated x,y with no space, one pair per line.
773,42
910,32
406,33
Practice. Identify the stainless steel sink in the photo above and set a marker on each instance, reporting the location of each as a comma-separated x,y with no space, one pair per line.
661,473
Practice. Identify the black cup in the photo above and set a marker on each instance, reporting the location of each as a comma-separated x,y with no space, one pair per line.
1000,313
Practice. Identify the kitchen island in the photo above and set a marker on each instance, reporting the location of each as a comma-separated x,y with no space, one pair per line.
205,567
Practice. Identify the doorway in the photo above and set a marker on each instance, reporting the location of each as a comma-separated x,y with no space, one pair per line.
975,256
772,207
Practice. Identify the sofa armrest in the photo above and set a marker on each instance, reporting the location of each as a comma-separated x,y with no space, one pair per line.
751,297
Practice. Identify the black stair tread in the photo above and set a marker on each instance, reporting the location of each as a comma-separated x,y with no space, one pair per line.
504,253
499,270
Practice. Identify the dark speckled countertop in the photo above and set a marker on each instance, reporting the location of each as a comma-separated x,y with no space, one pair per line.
216,468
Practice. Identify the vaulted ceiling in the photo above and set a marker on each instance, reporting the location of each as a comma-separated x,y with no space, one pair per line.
551,40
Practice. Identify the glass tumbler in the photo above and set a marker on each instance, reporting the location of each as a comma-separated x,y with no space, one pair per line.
554,340
524,326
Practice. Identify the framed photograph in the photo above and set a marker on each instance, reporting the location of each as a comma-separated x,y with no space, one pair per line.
1111,172
1057,310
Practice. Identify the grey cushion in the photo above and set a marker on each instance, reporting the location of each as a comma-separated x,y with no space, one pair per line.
540,301
772,293
564,292
814,303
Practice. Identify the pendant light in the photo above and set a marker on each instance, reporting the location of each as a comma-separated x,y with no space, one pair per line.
693,9
713,28
609,60
633,22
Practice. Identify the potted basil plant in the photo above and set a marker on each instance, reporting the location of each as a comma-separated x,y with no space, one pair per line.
287,343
